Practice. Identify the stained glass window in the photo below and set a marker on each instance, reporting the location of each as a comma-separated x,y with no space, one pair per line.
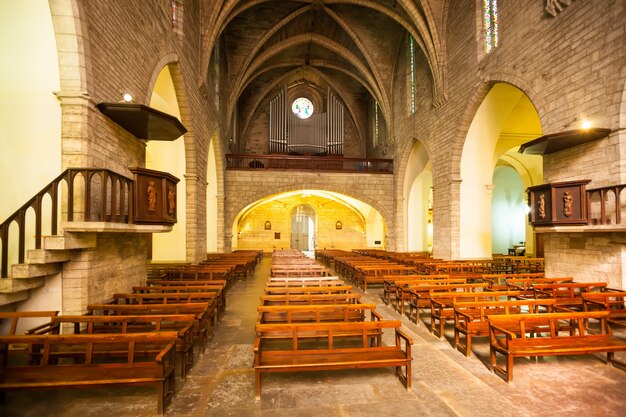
302,108
490,19
376,124
412,67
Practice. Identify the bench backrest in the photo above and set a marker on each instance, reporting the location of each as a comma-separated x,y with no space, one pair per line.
198,309
348,298
479,310
9,321
164,298
182,323
84,347
316,313
327,332
556,324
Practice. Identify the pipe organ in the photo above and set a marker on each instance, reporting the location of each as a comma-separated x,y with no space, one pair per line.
321,133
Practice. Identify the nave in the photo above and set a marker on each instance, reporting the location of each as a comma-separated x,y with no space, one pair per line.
445,382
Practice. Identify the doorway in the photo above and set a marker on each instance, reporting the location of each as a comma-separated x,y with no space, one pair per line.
303,228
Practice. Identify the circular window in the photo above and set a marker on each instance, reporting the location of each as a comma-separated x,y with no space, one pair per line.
302,108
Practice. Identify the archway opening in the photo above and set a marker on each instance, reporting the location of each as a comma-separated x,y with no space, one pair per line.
169,157
308,220
303,228
505,119
418,181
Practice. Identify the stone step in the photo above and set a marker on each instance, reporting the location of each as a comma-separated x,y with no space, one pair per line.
21,271
70,241
13,286
43,256
11,298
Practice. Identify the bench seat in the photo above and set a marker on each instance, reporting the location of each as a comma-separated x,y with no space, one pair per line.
508,337
328,353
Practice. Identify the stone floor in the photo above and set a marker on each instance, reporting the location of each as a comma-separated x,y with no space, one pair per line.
445,382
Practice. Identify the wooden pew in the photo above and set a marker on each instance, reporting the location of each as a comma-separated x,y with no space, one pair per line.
612,301
272,357
390,282
333,289
419,296
15,317
442,305
470,318
497,282
186,289
304,299
508,337
182,324
403,289
316,313
203,323
526,285
568,294
53,366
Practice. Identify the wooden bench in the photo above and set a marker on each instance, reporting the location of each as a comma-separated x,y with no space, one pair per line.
508,337
78,361
308,283
303,299
442,305
334,289
203,323
404,288
210,298
390,282
167,289
316,313
568,294
470,318
23,318
612,301
419,296
330,278
498,282
329,353
182,324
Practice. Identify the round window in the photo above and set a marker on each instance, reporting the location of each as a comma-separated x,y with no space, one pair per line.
302,108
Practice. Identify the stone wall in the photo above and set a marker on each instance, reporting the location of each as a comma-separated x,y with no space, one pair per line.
570,66
243,188
92,276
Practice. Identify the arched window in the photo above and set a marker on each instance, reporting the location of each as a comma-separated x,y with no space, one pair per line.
412,71
490,24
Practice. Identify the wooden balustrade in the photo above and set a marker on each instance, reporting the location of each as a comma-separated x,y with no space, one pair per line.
610,209
101,196
308,163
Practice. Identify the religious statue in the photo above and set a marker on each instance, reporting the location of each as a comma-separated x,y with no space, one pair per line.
152,196
567,204
171,199
541,206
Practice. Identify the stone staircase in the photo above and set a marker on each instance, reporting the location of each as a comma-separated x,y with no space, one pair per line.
41,263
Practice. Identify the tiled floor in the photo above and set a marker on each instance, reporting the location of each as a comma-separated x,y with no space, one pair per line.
445,382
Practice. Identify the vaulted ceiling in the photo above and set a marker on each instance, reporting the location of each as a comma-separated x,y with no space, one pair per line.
350,46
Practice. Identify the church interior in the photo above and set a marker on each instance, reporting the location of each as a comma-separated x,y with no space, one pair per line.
205,170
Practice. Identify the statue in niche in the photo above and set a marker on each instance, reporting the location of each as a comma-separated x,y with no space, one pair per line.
568,201
171,199
541,206
152,196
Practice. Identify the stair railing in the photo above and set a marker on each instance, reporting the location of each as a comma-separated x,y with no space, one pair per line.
108,200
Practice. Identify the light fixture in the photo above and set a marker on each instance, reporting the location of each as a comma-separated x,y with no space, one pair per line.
127,98
585,124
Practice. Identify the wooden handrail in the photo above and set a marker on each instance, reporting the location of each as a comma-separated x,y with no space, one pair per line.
116,205
308,163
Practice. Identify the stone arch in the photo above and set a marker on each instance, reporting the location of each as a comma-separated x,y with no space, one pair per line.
498,117
474,103
401,197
